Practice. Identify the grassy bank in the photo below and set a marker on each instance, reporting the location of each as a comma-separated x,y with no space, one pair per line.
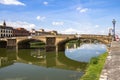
95,67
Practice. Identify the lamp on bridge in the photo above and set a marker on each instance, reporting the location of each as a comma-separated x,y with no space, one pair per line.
114,29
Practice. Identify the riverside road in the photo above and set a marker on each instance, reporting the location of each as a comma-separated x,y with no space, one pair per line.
111,70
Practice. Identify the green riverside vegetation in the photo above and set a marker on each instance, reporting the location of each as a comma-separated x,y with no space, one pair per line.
95,67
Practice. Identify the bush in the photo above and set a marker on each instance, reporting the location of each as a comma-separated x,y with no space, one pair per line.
94,60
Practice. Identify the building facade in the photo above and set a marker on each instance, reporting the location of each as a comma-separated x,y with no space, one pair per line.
33,32
5,31
20,32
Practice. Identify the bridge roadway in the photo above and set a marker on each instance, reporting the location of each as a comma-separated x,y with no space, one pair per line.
111,70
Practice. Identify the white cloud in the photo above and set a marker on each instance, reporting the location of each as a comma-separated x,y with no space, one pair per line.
78,8
11,2
84,30
45,3
96,26
57,23
82,10
70,31
103,32
18,24
41,18
93,46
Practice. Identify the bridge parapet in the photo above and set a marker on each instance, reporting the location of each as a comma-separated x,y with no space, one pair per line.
3,39
85,35
61,38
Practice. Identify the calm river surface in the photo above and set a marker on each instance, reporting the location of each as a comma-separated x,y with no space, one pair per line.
34,64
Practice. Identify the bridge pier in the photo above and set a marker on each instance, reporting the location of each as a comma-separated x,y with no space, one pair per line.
60,47
11,43
3,44
50,48
50,44
75,45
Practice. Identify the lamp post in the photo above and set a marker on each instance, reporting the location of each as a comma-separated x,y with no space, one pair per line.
114,29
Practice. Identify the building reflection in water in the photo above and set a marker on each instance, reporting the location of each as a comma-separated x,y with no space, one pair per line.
40,58
51,60
37,53
7,57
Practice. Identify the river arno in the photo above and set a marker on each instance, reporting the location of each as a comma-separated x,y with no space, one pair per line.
34,64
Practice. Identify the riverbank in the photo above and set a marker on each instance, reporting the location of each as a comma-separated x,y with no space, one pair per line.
111,70
95,67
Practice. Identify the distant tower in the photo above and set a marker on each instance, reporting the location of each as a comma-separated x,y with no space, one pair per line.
4,23
114,29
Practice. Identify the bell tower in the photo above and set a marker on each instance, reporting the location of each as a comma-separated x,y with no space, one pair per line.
4,23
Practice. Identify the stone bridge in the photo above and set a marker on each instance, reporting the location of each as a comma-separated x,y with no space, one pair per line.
53,42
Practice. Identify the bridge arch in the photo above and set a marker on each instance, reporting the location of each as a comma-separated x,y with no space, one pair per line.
25,43
61,44
3,43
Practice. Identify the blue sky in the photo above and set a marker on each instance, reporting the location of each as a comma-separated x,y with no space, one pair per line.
65,16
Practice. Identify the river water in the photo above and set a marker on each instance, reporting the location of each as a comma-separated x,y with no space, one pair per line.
36,64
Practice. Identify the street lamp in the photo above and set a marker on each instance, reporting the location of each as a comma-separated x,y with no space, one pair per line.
114,29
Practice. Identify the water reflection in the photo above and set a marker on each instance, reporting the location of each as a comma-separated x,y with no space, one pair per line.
5,58
35,64
49,59
85,52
